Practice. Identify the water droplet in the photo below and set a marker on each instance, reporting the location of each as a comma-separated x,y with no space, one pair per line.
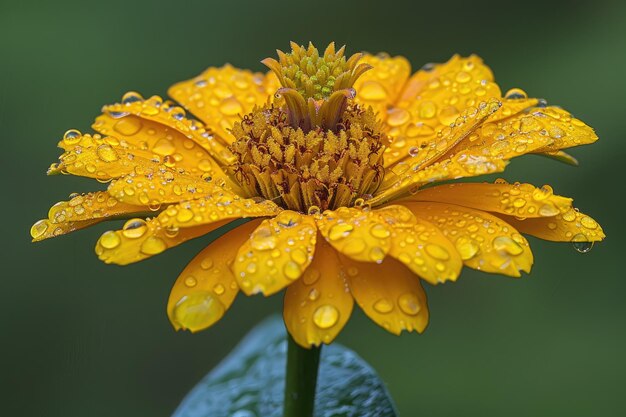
515,94
134,228
153,246
219,289
231,106
110,240
311,276
383,306
380,231
507,245
437,252
198,311
548,210
184,215
299,256
409,304
466,247
325,316
263,239
72,137
588,222
313,211
206,263
292,270
131,97
372,91
339,231
288,218
191,281
39,228
314,294
581,243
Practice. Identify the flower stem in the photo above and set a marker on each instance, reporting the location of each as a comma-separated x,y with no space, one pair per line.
301,379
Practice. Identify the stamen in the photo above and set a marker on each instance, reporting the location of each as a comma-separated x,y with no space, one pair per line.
310,82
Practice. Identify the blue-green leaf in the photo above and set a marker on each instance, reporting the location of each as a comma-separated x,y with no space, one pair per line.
251,380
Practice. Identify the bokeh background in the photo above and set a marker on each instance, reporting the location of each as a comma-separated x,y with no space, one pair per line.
80,338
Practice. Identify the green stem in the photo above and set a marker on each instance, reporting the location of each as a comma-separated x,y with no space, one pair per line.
301,379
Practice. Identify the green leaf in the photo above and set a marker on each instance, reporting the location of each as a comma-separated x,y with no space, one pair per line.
251,380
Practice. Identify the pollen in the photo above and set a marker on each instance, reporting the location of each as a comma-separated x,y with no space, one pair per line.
299,170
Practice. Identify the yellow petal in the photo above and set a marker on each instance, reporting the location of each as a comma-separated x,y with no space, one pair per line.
219,96
318,305
102,158
139,240
357,233
389,293
570,226
399,182
483,241
381,85
163,129
520,200
420,246
45,229
207,287
432,101
430,76
277,253
82,211
565,130
152,184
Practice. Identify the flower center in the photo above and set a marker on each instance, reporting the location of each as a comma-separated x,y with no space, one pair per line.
309,171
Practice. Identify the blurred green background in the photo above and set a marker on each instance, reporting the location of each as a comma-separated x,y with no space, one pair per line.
81,338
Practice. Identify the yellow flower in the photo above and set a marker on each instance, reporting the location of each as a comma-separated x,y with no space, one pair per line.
332,159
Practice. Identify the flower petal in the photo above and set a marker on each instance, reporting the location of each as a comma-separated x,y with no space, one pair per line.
484,241
219,96
318,305
433,100
163,129
139,240
277,253
520,200
420,246
389,294
359,234
381,85
564,130
207,287
152,184
570,226
464,164
82,211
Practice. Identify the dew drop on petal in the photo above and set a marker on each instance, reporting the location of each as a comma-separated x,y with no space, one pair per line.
325,316
38,229
134,228
409,304
153,246
508,245
110,240
198,310
581,243
383,306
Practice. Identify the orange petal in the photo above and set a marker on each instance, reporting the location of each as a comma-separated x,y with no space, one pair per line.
483,241
389,294
570,226
277,253
82,211
381,85
520,200
207,287
420,246
318,305
219,96
139,240
359,234
163,129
